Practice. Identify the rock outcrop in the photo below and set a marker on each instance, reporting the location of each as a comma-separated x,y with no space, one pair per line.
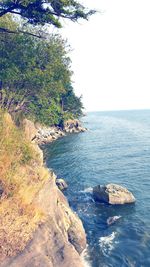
59,240
31,132
113,194
61,183
73,126
46,135
29,129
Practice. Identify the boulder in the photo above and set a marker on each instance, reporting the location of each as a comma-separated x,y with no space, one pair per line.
112,220
73,126
62,185
113,194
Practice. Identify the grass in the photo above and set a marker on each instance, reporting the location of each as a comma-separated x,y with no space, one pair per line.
22,178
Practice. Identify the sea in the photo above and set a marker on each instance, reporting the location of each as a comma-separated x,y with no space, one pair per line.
115,149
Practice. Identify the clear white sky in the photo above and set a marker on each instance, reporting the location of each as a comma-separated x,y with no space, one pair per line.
111,55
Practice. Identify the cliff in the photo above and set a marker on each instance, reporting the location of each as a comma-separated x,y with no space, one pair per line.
37,227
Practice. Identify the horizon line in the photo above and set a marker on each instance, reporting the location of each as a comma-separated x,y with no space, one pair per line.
111,110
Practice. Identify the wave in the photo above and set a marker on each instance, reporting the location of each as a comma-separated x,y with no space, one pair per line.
106,243
85,257
87,190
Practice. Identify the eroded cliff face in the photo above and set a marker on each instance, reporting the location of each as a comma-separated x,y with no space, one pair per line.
59,240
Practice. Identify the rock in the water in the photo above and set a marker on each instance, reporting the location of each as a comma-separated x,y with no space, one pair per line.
62,185
113,219
113,194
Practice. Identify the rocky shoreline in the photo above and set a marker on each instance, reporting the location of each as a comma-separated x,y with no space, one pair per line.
60,238
46,135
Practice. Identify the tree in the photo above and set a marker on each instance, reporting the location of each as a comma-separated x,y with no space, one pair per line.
35,76
41,12
71,103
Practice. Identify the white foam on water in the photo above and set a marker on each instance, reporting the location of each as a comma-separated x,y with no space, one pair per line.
106,243
85,258
87,190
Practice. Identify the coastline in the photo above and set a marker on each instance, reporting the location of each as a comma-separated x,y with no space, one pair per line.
44,135
59,239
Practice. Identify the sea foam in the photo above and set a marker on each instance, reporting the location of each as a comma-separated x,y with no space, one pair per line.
86,258
106,243
87,190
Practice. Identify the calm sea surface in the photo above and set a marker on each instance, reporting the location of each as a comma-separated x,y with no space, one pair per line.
115,149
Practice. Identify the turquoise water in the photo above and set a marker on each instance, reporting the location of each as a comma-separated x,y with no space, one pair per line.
116,148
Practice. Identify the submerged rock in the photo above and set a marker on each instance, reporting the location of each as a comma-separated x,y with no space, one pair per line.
61,183
113,194
112,220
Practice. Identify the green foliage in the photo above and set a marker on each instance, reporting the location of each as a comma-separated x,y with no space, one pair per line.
39,12
45,111
35,77
72,103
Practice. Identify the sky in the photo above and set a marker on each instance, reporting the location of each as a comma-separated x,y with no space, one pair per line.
111,55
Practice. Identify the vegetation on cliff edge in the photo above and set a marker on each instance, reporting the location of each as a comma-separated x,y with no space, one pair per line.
21,178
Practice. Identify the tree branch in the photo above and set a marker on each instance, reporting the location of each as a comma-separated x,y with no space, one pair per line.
15,12
5,30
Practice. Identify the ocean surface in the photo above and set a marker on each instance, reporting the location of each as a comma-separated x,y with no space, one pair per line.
115,149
